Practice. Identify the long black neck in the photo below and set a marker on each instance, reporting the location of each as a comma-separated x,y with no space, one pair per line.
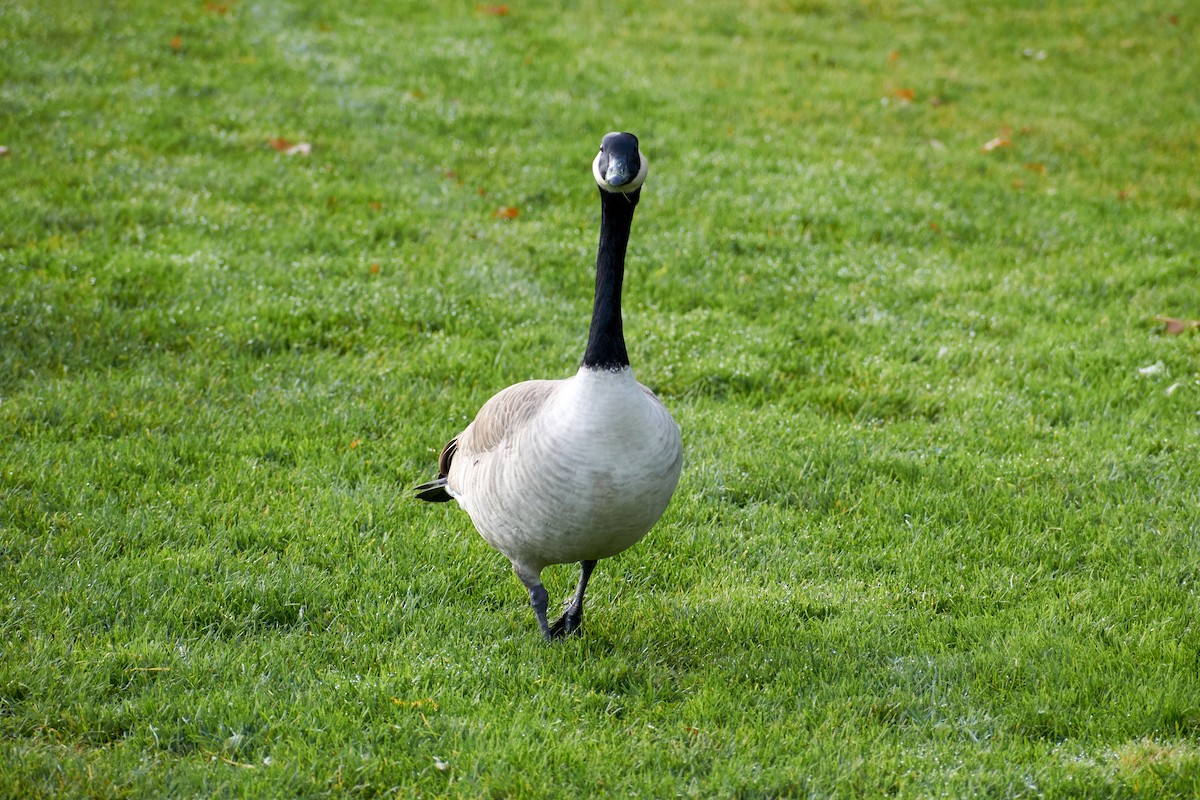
606,339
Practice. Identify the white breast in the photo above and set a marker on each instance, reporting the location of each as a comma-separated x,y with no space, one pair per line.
584,477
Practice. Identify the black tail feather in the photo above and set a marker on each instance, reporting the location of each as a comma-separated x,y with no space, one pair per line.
434,491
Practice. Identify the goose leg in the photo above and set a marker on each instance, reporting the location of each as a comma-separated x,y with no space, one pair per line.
572,618
539,598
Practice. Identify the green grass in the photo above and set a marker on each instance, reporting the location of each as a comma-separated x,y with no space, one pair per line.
937,532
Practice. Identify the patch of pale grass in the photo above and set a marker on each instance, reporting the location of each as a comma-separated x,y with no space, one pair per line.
1150,755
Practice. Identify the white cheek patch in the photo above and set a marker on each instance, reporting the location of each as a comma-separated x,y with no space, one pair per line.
632,186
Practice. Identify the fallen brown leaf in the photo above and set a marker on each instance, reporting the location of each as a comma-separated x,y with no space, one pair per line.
995,144
1176,326
176,43
289,148
506,212
492,11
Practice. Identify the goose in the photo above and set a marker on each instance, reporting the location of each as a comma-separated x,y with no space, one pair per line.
576,469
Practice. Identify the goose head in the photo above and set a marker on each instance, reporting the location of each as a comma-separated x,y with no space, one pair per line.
620,167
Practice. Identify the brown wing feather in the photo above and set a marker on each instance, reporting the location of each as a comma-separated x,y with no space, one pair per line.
507,411
447,455
503,413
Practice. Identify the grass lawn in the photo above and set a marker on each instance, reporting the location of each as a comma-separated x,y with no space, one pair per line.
896,271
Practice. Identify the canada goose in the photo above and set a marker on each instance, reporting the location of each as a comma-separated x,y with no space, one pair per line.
578,469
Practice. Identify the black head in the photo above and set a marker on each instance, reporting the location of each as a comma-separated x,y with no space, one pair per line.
620,167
